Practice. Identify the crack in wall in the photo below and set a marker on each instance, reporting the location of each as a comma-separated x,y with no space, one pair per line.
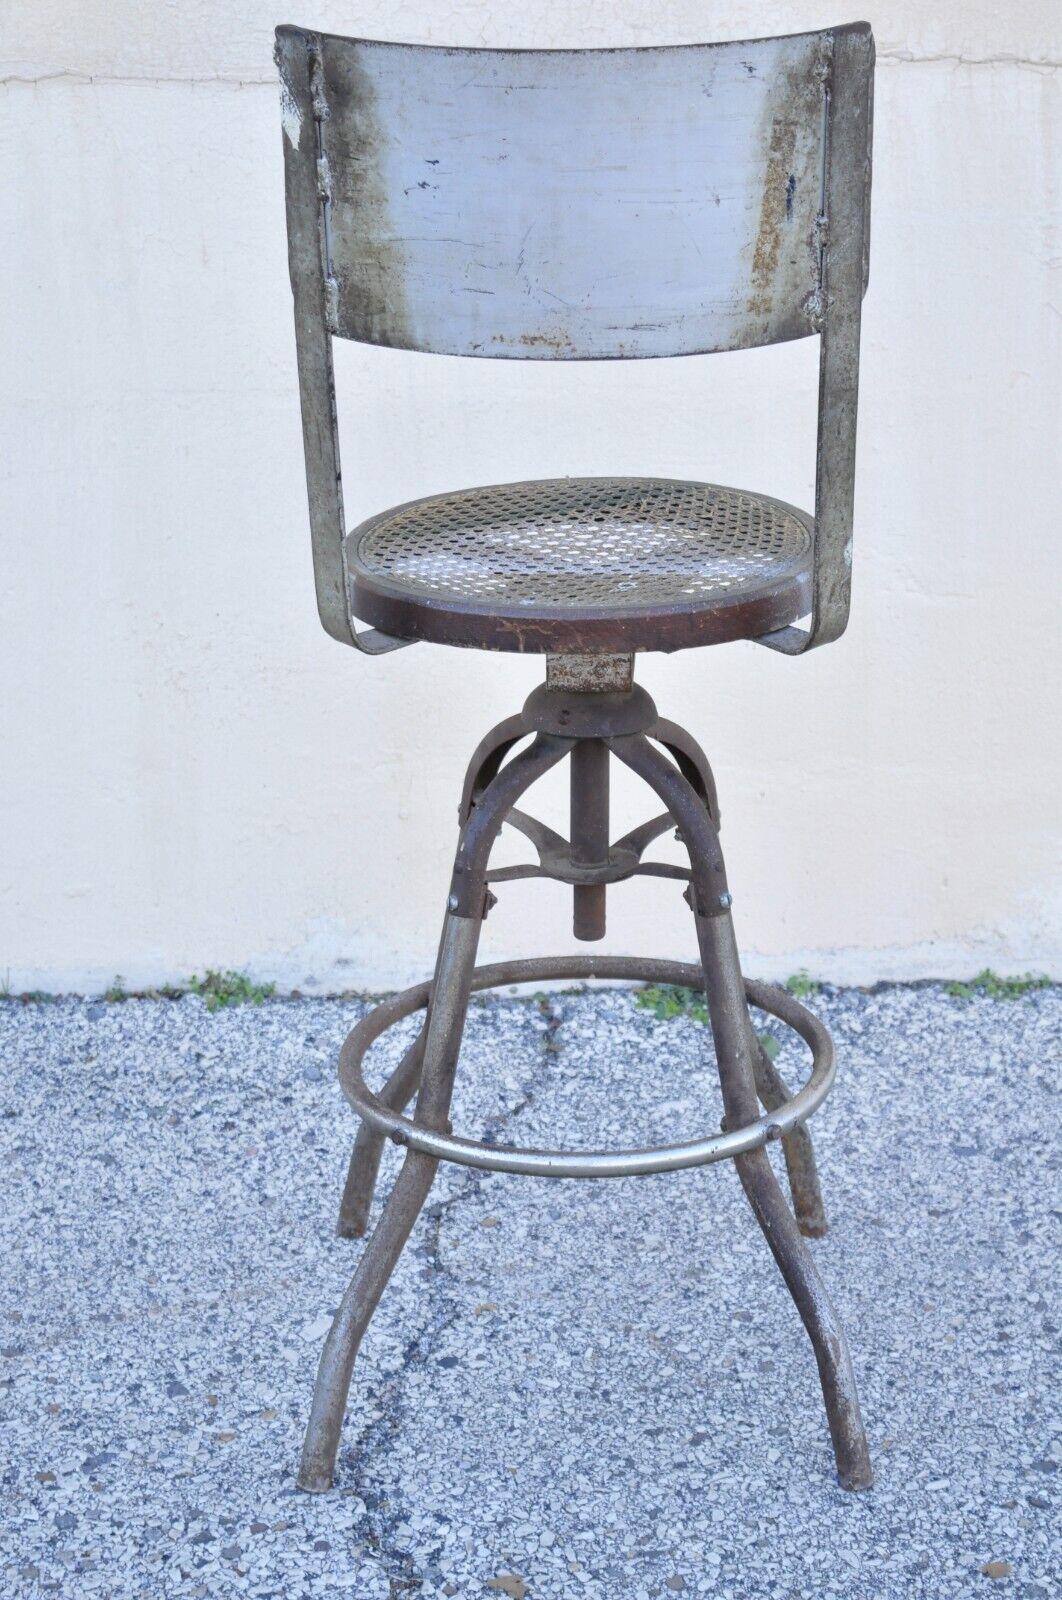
376,1527
892,56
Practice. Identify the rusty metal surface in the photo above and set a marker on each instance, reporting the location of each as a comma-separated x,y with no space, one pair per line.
444,1026
800,1165
691,762
590,674
382,1111
609,564
845,268
736,1049
427,1137
468,883
301,111
666,199
544,205
364,1164
589,830
447,1004
587,1163
599,714
401,1086
711,893
487,758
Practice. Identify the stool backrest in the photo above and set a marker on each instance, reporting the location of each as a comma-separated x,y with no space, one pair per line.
568,203
560,204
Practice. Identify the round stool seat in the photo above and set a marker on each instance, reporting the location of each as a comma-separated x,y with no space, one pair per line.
583,565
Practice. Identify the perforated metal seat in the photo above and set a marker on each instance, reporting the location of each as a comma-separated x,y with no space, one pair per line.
568,564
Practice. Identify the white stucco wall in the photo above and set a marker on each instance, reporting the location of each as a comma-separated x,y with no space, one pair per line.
194,774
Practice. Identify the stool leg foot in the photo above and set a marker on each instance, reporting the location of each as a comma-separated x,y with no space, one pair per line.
443,1030
797,1148
351,1320
360,1187
764,1194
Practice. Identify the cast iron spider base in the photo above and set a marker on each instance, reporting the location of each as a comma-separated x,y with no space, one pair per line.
587,715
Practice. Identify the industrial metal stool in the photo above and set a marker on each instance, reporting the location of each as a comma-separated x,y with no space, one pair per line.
576,205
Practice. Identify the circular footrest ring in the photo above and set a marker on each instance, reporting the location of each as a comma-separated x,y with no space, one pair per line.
588,1163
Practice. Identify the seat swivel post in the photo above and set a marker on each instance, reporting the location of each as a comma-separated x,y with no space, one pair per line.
589,833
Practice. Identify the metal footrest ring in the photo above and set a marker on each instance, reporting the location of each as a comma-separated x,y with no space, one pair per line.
588,1163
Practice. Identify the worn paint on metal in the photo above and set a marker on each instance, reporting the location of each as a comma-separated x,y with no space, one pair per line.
290,115
785,260
306,184
574,204
845,257
589,674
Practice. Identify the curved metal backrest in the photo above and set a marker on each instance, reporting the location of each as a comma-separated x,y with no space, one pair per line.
570,205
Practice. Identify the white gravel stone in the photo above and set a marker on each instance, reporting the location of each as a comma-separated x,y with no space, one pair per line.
603,1388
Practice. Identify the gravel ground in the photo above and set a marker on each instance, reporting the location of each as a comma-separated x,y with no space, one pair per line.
570,1390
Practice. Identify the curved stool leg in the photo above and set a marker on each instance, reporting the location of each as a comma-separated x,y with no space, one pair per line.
364,1167
736,1057
736,1051
797,1148
487,759
443,1029
692,762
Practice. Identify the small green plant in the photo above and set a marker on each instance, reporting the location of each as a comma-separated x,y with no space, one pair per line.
801,984
994,987
221,989
667,1001
117,993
